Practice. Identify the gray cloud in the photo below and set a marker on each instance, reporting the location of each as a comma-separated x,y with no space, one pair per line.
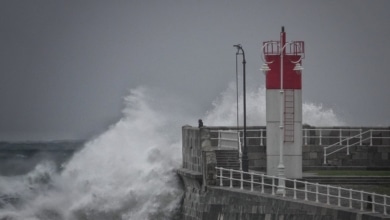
66,66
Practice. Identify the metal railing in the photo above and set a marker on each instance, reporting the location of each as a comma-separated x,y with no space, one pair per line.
321,136
262,138
358,139
229,139
305,191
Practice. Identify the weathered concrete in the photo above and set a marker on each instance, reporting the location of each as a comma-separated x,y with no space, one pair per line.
191,149
219,203
361,157
206,201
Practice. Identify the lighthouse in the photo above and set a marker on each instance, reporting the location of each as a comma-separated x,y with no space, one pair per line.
282,68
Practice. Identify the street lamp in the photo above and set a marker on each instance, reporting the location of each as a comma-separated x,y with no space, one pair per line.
265,68
245,164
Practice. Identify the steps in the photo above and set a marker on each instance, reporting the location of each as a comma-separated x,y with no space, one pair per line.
227,159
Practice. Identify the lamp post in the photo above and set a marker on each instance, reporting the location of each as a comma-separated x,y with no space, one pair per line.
265,68
245,164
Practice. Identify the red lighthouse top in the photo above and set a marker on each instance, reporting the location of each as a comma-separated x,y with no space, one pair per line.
291,53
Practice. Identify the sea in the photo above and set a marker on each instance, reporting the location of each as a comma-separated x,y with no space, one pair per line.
128,171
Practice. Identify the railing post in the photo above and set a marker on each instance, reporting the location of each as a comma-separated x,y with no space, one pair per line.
261,137
262,183
384,204
231,178
305,136
361,200
317,192
273,185
320,137
339,196
341,136
373,202
324,155
295,188
221,177
327,195
371,137
348,146
350,198
361,136
242,180
251,181
305,190
219,139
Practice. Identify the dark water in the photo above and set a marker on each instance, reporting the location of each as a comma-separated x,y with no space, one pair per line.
32,177
18,158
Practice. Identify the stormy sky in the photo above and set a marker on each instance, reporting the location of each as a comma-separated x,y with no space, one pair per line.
65,66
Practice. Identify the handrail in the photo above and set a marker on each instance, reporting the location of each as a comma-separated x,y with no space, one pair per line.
320,137
347,140
340,137
315,192
262,137
222,138
343,137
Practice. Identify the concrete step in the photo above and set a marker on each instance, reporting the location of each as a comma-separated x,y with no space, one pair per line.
227,159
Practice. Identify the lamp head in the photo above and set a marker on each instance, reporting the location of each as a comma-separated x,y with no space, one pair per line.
298,68
265,68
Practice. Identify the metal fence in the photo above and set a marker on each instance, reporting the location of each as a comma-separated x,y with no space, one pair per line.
320,136
356,140
305,191
253,135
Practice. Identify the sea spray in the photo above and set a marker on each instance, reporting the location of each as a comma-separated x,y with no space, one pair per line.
128,172
224,112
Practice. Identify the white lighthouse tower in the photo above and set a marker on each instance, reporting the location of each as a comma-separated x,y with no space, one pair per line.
284,106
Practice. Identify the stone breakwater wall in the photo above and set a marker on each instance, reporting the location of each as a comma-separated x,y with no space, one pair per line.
205,200
371,153
191,149
221,203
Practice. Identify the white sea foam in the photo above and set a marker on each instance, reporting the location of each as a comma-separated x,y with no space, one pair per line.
224,112
125,173
128,171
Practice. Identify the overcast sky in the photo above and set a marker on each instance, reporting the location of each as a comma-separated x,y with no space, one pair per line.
65,66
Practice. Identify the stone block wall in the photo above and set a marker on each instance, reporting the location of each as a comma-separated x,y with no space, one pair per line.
363,156
218,203
376,156
203,200
191,149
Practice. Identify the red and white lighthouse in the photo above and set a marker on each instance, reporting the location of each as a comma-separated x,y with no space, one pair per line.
284,106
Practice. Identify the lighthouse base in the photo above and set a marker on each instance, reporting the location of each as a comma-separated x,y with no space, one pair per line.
292,166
